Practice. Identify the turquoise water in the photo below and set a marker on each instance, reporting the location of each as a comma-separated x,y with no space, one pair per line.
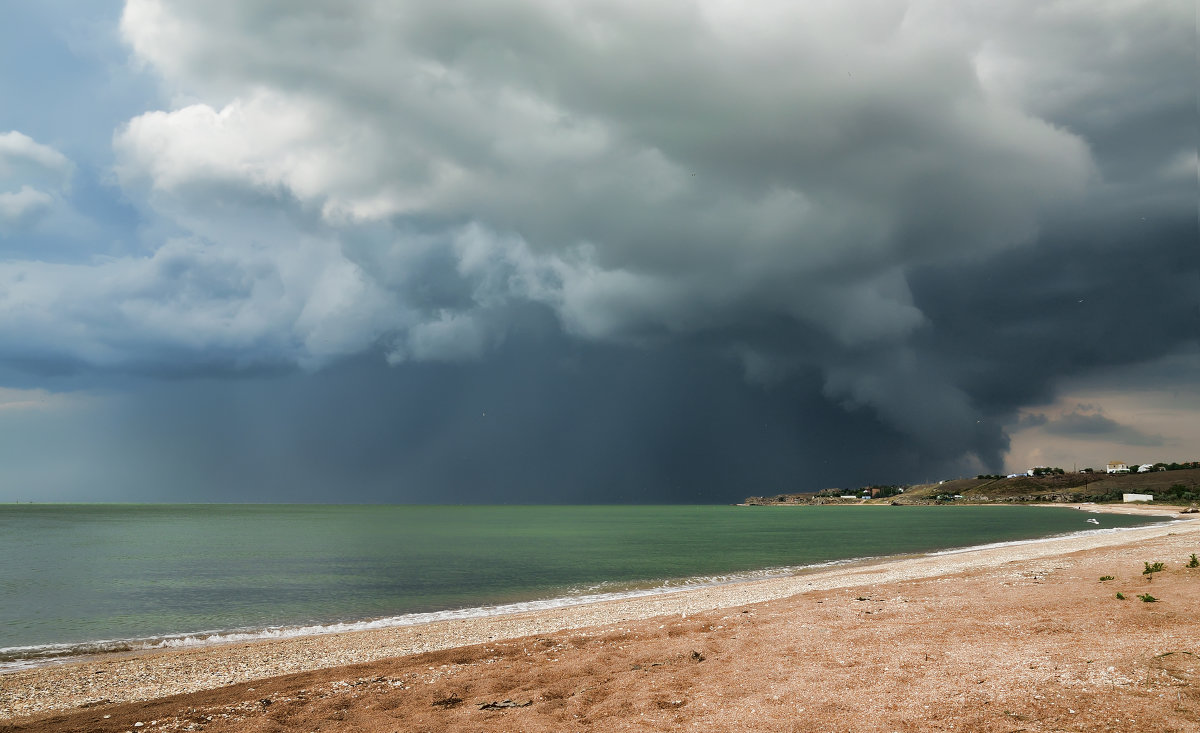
74,575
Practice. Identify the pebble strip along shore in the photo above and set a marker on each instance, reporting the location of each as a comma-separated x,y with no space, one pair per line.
151,675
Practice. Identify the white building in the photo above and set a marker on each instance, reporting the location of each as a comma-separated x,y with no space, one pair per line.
1146,468
1127,498
1117,467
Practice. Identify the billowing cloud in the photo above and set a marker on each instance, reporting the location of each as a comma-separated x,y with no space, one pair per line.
918,211
32,176
18,207
21,156
787,163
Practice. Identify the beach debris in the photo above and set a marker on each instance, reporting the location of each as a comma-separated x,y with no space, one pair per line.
503,704
265,702
448,702
697,656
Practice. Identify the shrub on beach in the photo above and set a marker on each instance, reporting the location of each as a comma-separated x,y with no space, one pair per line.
1147,598
1120,596
1153,568
1194,562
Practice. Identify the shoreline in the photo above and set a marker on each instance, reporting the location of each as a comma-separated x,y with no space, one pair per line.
138,677
108,649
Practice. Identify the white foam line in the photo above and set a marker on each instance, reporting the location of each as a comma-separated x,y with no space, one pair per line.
1066,535
47,654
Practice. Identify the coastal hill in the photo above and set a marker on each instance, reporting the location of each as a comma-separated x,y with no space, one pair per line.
1177,487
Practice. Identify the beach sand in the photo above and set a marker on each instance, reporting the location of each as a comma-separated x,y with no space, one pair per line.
1017,638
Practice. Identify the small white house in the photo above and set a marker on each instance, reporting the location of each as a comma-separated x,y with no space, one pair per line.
1127,498
1117,467
1146,468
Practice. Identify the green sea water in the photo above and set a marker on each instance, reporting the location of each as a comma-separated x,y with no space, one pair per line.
80,578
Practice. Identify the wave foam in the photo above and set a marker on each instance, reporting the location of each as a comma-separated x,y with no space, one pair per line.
25,657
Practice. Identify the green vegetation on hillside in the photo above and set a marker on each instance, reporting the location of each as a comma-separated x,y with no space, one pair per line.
1169,486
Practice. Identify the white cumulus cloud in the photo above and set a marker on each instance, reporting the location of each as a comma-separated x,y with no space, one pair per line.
32,177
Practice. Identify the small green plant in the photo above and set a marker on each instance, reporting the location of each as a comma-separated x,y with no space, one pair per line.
1147,598
1120,596
1194,562
1153,568
1105,577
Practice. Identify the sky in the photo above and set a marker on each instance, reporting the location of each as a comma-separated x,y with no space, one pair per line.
515,251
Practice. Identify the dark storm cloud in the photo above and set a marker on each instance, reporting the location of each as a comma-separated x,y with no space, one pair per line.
1094,424
1032,420
542,420
877,230
1090,297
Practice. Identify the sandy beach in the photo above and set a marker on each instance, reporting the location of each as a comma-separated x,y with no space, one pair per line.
1024,637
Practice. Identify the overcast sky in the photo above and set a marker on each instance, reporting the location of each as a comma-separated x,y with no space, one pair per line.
513,251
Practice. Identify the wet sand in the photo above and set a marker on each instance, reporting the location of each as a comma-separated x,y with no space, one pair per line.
1023,637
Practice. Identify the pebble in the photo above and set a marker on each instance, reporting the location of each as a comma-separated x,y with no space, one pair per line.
148,676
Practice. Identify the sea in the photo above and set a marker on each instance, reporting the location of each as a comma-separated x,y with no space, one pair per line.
90,578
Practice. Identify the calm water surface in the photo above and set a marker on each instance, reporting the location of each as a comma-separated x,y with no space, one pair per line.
71,575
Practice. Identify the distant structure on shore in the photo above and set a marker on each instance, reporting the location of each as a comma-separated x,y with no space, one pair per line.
1160,483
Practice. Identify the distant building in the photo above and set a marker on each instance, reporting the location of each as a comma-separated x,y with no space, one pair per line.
1117,467
1146,468
1127,498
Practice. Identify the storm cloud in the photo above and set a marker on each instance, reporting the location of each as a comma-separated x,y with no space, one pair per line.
876,230
1091,423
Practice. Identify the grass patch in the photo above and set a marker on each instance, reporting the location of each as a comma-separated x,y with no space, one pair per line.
1147,598
1105,577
